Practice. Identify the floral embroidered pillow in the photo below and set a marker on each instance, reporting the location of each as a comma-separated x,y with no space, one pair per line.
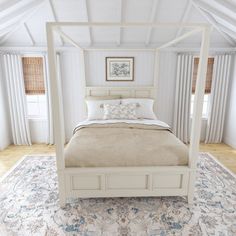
120,111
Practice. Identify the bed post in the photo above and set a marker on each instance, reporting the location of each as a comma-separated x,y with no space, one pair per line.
156,78
83,76
197,111
57,114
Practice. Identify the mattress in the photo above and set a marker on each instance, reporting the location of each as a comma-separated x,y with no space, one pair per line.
124,143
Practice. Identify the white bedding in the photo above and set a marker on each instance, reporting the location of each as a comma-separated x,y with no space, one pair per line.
138,121
110,143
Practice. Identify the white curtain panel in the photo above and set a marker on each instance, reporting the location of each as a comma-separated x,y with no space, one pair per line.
218,98
50,136
50,132
181,123
17,99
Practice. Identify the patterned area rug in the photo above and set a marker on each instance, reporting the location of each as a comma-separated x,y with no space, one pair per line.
29,206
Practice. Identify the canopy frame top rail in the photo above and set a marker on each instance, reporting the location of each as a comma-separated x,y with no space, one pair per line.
196,28
128,24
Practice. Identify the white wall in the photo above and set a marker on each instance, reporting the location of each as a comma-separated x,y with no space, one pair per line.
230,121
143,68
5,137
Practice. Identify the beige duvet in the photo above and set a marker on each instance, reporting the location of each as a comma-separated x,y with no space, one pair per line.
122,144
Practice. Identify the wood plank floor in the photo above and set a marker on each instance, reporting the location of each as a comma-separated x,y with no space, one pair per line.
224,153
8,157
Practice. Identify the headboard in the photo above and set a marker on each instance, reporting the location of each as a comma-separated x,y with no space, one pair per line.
124,92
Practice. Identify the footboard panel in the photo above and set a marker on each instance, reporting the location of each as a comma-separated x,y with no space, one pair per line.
126,182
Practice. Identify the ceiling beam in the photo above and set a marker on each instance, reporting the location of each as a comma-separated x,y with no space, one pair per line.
153,17
184,17
227,4
29,34
20,23
66,37
214,11
228,31
216,25
10,5
225,32
129,24
55,18
41,48
180,38
17,14
8,29
88,20
121,20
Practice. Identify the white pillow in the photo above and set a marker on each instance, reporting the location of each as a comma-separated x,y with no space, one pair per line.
144,109
126,112
96,108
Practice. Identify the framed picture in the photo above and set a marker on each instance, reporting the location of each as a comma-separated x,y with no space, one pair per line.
119,68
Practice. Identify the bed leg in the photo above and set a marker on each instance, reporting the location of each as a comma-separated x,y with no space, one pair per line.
61,189
191,186
190,199
62,200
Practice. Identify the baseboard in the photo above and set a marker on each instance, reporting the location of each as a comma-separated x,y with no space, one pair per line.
4,145
230,142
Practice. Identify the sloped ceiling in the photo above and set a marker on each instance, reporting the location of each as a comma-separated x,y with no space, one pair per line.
22,22
221,14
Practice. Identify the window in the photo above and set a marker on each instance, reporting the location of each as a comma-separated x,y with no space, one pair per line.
34,86
36,106
205,105
205,110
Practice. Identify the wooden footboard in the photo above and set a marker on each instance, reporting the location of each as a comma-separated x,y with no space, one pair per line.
126,182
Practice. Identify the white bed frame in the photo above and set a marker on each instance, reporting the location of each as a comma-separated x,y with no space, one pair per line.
126,181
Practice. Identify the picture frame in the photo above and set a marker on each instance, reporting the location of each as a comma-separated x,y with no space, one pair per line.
120,69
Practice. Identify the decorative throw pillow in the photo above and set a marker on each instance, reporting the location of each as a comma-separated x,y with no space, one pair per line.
126,112
144,109
95,108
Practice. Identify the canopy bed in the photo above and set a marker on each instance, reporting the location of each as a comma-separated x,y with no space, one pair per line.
129,176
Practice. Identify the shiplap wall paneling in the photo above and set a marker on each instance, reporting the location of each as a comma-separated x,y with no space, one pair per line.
143,68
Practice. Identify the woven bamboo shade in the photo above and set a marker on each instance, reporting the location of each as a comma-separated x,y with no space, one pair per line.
33,75
208,76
